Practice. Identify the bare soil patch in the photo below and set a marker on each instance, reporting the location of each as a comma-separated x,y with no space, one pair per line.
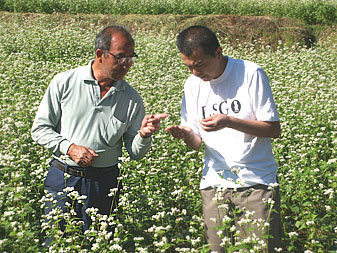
261,30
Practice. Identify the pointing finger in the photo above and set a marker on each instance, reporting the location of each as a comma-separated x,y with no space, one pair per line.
161,115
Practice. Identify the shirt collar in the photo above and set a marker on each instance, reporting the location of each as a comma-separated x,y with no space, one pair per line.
225,74
88,78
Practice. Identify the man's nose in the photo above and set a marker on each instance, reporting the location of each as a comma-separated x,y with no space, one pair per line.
126,65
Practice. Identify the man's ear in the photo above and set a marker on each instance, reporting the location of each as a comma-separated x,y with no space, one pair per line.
218,52
99,54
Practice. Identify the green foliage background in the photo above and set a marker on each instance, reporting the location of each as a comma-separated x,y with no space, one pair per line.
165,183
310,11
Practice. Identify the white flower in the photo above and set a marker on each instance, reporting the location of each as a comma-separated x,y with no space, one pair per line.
68,189
249,213
104,225
293,234
95,246
236,170
310,223
226,219
213,219
66,175
241,182
91,210
73,195
272,186
113,192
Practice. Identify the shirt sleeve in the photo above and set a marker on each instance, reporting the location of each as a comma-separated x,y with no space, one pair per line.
262,98
189,113
137,146
46,126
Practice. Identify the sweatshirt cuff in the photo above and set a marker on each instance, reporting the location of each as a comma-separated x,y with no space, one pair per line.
143,141
64,146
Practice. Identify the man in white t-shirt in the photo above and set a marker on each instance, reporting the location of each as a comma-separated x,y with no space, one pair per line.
228,105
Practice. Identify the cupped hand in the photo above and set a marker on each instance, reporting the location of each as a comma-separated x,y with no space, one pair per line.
180,132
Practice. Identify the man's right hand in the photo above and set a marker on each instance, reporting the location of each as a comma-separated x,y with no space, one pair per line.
180,132
184,132
83,156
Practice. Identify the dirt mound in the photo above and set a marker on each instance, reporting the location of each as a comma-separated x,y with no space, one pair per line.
232,28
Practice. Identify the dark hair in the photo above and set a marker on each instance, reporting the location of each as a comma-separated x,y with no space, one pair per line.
103,38
196,37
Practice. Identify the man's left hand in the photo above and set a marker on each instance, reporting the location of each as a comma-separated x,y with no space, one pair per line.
215,122
151,124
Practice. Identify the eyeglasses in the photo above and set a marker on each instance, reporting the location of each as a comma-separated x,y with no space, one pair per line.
124,59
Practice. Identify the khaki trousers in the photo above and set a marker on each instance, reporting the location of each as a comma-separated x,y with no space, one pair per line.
250,199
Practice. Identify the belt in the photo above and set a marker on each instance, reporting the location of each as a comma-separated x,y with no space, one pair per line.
241,189
255,187
86,172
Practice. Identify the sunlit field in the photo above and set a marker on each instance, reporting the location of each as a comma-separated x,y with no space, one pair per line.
160,208
309,11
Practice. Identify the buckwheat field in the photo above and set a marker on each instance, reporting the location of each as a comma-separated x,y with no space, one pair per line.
160,207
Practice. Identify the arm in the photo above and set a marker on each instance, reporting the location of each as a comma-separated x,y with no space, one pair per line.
266,123
138,137
136,146
191,139
188,130
46,128
256,128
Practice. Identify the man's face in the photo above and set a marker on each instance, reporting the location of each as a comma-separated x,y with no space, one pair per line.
205,67
114,68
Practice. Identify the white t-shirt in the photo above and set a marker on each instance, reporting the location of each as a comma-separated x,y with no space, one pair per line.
232,158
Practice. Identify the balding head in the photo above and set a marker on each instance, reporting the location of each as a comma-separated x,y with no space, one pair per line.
103,38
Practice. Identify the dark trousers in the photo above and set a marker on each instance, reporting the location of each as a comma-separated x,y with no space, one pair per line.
96,188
